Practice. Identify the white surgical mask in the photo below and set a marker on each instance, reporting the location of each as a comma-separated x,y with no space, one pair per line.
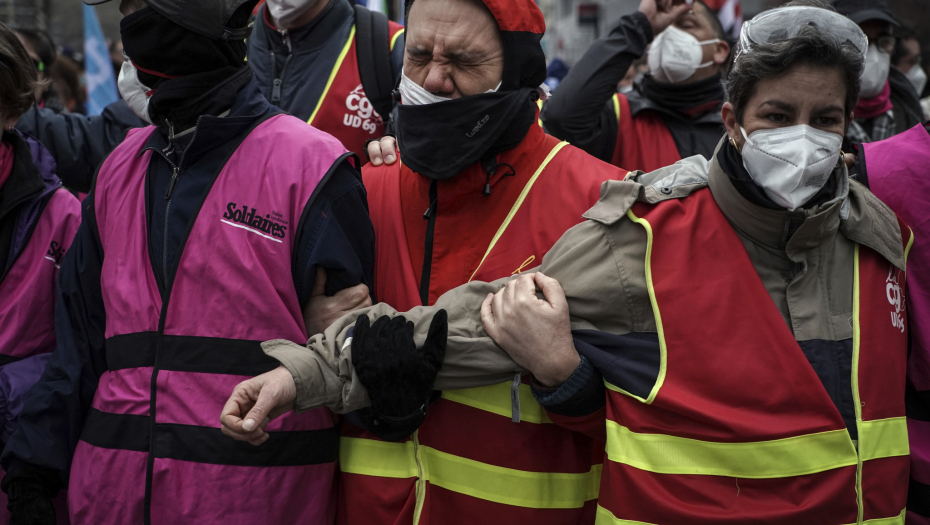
134,92
413,94
791,164
284,12
918,78
875,72
675,55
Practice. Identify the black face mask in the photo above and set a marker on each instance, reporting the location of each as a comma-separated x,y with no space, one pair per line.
156,44
441,140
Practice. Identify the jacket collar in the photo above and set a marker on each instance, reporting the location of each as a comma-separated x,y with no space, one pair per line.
793,231
310,37
641,102
214,131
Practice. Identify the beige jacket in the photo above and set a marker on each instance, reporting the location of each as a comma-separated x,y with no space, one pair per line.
600,265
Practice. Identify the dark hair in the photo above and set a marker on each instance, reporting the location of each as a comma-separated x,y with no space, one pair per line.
18,77
809,48
900,50
41,43
711,16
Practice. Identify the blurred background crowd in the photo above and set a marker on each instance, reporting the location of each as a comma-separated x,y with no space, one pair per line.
57,41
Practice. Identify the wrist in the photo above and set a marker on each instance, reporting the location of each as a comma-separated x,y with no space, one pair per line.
560,370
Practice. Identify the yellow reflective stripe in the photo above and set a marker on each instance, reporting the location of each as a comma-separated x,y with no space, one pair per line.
541,490
794,456
496,399
895,520
605,517
517,204
907,249
377,458
394,38
332,75
655,309
857,401
616,101
883,438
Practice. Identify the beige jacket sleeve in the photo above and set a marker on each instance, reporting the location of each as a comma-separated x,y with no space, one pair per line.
582,261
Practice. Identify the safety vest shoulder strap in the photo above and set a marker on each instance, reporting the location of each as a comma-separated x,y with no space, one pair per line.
644,142
373,44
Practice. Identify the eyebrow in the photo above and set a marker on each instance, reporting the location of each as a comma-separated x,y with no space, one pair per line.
780,104
830,109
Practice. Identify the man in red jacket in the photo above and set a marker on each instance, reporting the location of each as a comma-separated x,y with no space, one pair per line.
480,193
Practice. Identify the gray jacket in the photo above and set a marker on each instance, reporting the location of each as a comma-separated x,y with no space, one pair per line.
600,265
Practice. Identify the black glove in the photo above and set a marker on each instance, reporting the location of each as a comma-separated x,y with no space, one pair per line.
30,491
398,375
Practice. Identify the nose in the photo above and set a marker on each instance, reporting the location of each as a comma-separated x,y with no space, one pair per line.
439,80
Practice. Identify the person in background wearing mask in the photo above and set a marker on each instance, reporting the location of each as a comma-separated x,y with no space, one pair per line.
480,192
671,113
748,313
908,60
204,234
314,59
888,103
38,219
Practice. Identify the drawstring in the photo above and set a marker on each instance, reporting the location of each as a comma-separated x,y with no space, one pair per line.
490,166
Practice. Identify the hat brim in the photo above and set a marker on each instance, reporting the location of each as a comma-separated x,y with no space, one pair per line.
95,2
873,14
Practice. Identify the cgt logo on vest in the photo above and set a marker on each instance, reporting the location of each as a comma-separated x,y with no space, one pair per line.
895,294
272,226
55,253
364,116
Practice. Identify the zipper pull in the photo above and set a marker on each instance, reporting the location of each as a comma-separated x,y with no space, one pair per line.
172,183
515,399
276,91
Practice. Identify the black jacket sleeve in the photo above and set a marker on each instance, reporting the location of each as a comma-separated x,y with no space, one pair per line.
53,415
336,235
580,110
79,143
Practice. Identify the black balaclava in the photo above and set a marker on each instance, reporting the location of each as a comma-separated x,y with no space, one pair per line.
441,140
181,66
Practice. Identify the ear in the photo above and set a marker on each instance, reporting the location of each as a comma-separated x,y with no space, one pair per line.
728,115
721,53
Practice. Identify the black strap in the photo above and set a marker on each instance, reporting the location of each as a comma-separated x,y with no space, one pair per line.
373,51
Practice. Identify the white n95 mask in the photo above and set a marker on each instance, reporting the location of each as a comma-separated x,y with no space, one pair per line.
791,164
675,55
413,94
284,12
134,92
918,77
875,72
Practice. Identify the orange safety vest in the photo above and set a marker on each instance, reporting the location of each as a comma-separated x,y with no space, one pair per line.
738,428
343,110
470,461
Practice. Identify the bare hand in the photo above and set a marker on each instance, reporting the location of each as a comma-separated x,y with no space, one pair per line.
383,151
535,332
255,402
322,310
662,13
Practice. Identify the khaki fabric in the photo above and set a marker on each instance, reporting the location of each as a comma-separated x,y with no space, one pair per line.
804,258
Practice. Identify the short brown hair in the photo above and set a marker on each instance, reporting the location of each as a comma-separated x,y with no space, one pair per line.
18,77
